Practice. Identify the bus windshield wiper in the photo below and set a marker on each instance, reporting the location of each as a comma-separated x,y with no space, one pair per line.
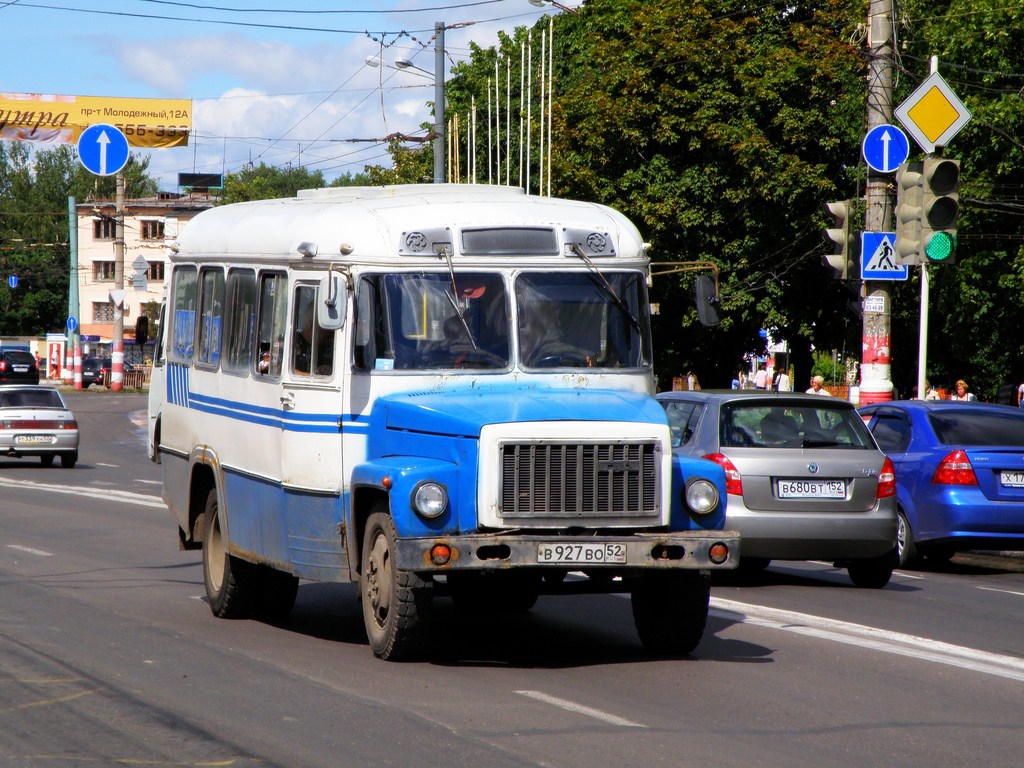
575,248
452,294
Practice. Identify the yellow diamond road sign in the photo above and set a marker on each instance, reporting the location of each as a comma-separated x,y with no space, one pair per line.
933,114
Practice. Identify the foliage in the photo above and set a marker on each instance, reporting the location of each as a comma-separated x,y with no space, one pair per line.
264,182
34,190
830,366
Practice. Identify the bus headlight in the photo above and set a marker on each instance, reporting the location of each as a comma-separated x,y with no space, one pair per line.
701,496
429,499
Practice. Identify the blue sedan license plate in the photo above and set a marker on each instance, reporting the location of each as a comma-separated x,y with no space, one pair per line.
1011,479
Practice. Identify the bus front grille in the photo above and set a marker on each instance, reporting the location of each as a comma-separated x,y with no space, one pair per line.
574,480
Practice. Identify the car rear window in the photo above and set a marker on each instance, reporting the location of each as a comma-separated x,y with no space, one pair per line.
21,358
976,427
792,425
31,398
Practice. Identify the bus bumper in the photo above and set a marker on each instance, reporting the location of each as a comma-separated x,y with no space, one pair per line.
715,550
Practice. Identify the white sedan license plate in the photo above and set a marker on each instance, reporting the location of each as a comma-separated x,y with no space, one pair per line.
585,554
812,489
34,439
1012,479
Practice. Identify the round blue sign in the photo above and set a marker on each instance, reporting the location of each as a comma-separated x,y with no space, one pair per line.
13,281
103,149
885,147
72,323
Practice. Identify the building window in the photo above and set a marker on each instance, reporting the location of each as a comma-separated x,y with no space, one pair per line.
102,312
151,230
103,271
103,229
156,270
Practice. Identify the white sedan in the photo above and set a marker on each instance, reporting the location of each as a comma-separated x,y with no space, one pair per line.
35,421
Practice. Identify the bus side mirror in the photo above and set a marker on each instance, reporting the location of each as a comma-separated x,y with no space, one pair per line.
707,301
333,298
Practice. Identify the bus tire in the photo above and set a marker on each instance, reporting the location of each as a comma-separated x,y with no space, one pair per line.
670,610
230,582
396,604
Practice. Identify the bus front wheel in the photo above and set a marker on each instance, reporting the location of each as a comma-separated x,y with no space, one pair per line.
228,580
396,603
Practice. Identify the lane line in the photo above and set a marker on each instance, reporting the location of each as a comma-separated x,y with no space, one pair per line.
1003,591
124,497
872,638
30,551
580,709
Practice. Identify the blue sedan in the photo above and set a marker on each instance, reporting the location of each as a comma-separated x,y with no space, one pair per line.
959,474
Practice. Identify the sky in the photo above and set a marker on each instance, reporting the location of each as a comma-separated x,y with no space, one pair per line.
271,81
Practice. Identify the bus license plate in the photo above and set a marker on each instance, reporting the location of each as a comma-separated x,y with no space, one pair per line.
812,489
584,554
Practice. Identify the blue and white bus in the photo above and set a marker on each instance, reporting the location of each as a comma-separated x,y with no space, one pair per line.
427,390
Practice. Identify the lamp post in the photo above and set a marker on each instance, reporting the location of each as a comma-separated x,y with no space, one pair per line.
438,76
543,3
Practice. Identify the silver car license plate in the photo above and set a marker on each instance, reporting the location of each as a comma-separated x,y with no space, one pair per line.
35,439
811,489
584,554
1011,479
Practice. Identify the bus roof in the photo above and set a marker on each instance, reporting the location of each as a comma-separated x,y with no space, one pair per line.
390,223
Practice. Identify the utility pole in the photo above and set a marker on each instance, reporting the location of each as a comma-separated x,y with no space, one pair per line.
876,363
117,357
439,138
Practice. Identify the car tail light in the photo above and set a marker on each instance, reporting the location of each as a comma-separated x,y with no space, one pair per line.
886,480
955,469
3,366
733,480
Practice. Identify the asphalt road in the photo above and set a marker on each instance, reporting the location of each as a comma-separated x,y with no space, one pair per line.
110,656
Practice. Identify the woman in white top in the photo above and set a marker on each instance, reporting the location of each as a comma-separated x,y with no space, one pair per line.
961,391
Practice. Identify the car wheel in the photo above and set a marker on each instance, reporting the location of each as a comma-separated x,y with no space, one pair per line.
46,459
68,460
230,582
874,572
670,610
753,564
905,540
396,603
939,553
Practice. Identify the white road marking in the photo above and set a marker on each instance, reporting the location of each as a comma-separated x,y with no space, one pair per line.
1004,591
149,482
572,706
101,464
873,638
124,497
29,550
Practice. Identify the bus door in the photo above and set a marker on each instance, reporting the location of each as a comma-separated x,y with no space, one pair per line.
311,438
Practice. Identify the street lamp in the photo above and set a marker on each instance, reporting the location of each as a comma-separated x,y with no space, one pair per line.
543,3
438,77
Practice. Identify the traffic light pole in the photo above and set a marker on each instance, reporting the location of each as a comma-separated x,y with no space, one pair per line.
876,363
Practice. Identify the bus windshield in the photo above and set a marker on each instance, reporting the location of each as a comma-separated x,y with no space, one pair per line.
442,320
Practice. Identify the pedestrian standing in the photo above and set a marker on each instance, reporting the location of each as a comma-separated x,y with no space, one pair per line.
783,384
817,386
963,392
761,377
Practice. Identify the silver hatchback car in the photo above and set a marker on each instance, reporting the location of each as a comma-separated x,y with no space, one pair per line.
35,421
805,478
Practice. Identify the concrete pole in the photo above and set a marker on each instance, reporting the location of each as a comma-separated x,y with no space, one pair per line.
117,357
73,353
876,363
439,126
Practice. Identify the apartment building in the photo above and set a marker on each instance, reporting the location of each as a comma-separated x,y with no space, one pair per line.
150,226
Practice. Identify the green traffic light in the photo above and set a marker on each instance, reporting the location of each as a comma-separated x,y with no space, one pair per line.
940,247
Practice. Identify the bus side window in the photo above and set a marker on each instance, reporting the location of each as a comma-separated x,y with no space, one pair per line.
211,315
273,311
240,321
182,316
312,346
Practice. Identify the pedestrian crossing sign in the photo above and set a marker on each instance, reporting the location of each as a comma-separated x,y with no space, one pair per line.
878,257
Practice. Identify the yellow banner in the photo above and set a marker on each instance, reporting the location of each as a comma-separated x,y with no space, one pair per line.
61,119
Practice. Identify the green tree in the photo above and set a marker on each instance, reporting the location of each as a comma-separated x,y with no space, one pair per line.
265,182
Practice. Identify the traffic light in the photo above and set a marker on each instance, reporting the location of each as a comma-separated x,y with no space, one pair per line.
940,207
845,247
909,213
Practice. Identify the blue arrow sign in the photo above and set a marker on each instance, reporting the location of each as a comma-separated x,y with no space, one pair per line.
103,149
72,323
13,281
878,257
885,147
